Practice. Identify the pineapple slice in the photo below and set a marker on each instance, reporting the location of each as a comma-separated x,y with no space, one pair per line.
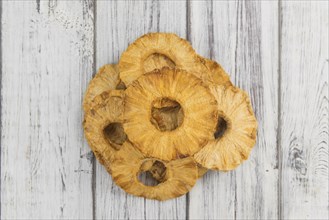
215,73
236,132
107,78
156,50
177,176
103,124
160,89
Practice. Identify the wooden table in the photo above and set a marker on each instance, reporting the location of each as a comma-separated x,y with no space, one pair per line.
275,50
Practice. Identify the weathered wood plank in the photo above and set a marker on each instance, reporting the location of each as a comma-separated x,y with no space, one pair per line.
47,59
304,107
243,37
213,196
118,24
257,73
0,100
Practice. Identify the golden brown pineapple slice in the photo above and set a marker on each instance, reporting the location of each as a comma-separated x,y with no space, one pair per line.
157,61
157,171
139,57
216,74
159,89
236,133
103,124
108,141
156,50
107,78
177,176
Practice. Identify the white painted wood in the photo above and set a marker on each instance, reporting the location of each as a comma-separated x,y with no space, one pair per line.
47,58
243,37
304,107
47,62
257,73
213,196
119,23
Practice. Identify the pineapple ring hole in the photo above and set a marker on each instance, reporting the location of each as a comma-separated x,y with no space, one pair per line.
153,175
220,128
157,61
121,86
115,135
166,114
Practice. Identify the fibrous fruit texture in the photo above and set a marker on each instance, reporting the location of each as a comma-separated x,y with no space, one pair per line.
236,131
175,89
167,112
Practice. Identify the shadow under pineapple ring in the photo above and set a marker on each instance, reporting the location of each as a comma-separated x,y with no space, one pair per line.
198,123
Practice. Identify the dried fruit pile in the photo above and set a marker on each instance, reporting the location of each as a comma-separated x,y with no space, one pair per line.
167,111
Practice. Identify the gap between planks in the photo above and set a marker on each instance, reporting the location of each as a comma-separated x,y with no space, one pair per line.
279,128
0,102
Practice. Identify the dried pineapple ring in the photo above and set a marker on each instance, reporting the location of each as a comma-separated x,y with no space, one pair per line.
103,124
217,74
237,136
201,171
172,50
168,121
107,78
153,90
180,175
157,171
157,61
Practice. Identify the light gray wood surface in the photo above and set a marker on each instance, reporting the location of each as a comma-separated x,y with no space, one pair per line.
117,25
304,110
243,37
47,59
275,50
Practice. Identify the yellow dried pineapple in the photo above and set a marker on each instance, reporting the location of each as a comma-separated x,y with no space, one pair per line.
177,176
103,124
215,73
107,78
159,89
173,115
157,171
236,133
117,154
157,61
176,51
179,116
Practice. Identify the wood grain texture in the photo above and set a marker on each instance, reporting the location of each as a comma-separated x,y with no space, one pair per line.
275,50
243,37
47,58
0,102
304,106
214,195
256,71
119,23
